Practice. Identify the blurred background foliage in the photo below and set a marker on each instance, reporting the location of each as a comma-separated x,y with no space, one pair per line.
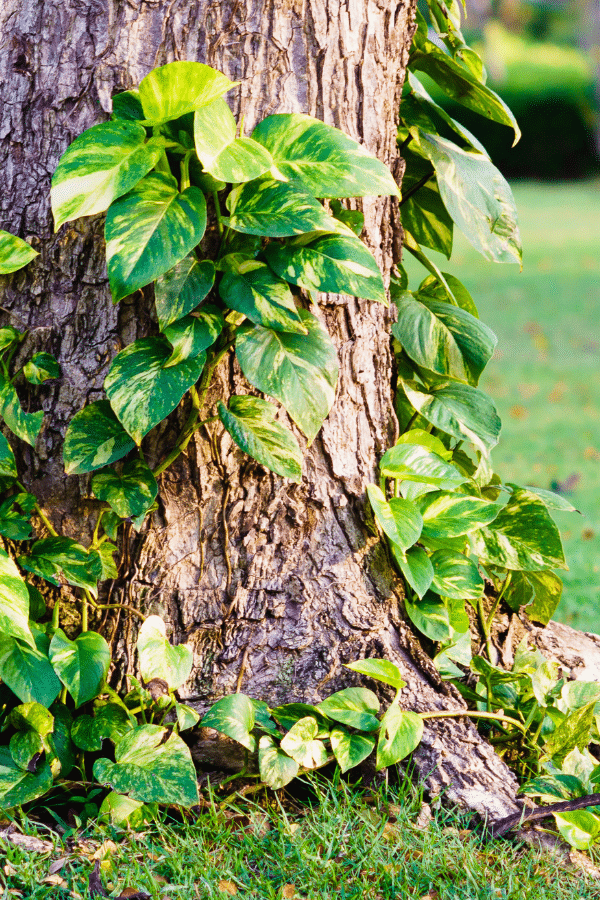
544,60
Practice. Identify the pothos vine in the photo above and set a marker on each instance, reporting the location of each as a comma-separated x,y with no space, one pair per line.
171,156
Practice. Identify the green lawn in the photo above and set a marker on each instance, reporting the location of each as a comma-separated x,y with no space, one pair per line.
545,375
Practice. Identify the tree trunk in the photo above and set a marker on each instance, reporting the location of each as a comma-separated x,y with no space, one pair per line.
273,585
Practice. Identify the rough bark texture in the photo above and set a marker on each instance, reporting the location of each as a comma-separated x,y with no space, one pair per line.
274,585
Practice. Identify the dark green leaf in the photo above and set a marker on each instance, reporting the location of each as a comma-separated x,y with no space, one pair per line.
399,519
61,751
82,665
459,410
24,746
41,367
193,334
25,425
299,370
431,616
523,536
17,786
14,602
453,291
400,734
417,109
350,749
222,155
171,91
276,768
125,812
251,423
27,670
233,716
300,744
352,218
159,659
290,713
8,465
323,159
109,721
14,253
423,210
129,494
53,556
142,390
149,230
357,707
443,338
102,164
15,517
127,105
335,263
182,289
380,669
456,576
95,438
416,568
272,208
152,766
447,514
260,295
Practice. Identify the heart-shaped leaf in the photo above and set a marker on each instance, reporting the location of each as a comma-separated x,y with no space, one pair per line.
290,713
8,465
40,368
190,336
300,744
15,517
459,410
14,602
400,734
431,616
131,493
82,665
158,658
416,568
299,370
14,253
110,721
149,230
125,812
103,163
413,462
357,707
25,425
17,786
222,155
380,669
251,423
450,515
400,519
324,160
350,748
95,438
454,575
171,91
142,389
55,556
579,828
262,296
335,263
182,289
151,765
234,716
276,768
27,670
272,208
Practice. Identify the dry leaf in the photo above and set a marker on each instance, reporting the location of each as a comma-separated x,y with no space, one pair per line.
105,849
288,891
582,861
9,870
228,887
293,828
54,879
26,842
57,865
430,895
390,832
424,818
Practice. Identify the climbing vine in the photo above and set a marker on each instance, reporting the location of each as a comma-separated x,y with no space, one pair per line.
171,160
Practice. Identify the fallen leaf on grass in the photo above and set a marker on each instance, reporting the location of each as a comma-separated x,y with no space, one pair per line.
105,849
133,894
228,887
54,879
288,891
27,842
430,895
57,865
424,818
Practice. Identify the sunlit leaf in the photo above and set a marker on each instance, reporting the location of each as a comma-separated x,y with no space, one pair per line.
251,423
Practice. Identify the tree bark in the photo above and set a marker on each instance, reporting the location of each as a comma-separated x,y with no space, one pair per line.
273,585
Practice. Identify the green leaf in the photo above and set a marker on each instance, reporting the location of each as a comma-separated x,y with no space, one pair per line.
8,465
149,230
573,731
25,425
129,494
356,707
193,334
14,602
186,716
459,410
324,160
55,556
60,748
431,616
299,370
95,438
413,462
423,210
14,253
451,290
127,105
580,693
40,368
352,218
158,659
350,748
182,289
102,164
171,91
82,665
456,576
447,514
9,336
461,85
550,499
333,263
27,671
523,536
442,338
400,734
222,155
125,812
260,295
24,747
251,423
276,768
580,828
272,208
416,568
18,787
399,519
380,669
290,713
416,109
543,597
142,390
233,716
300,744
152,766
110,721
477,196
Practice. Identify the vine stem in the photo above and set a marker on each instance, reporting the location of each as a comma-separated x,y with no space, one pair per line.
457,714
215,196
417,187
39,512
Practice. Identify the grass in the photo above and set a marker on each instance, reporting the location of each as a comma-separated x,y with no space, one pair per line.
348,846
545,374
